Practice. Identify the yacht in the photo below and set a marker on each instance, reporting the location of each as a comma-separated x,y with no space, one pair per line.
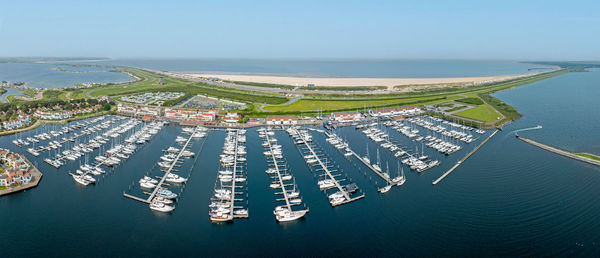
79,179
284,214
160,206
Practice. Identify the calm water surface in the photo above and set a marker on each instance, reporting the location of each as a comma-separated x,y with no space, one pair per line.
44,76
336,68
509,199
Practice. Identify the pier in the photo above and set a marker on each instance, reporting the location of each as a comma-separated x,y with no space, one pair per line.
164,177
325,169
559,151
284,191
387,179
233,181
435,182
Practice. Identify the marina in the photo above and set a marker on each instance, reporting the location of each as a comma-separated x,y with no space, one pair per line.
227,202
327,179
160,197
282,180
435,182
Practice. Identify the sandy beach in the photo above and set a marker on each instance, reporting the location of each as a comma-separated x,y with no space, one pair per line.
348,82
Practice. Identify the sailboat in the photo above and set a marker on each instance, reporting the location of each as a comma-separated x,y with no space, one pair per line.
378,165
400,179
366,157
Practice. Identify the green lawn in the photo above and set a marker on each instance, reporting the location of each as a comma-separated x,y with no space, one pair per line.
330,104
481,112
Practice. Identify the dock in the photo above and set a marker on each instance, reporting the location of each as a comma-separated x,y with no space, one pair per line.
164,177
284,191
233,181
435,182
559,151
328,172
387,179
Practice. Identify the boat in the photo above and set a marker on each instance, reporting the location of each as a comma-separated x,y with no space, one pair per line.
385,189
284,215
220,217
160,206
241,212
79,179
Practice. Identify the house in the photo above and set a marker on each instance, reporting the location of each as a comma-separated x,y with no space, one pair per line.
231,117
347,116
17,172
190,114
282,120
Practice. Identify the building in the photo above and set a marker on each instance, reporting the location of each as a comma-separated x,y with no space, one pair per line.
282,120
190,114
140,110
231,117
17,171
347,116
396,111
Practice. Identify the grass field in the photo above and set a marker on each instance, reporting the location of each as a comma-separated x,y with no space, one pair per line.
481,112
328,104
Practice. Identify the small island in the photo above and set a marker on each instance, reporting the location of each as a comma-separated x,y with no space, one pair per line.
16,173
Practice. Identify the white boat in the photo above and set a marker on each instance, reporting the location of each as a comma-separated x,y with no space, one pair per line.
174,178
149,179
385,189
147,185
159,206
79,179
284,215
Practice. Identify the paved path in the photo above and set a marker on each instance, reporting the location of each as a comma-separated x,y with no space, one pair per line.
291,101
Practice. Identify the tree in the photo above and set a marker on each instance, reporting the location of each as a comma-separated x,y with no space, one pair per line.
106,107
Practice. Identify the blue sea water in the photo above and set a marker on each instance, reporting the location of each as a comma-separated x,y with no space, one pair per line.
44,76
336,68
508,199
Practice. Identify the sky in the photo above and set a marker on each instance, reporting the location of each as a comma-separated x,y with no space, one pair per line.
516,30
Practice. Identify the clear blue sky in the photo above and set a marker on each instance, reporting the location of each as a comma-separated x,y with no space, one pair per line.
522,30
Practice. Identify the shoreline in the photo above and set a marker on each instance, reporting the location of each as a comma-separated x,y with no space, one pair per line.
348,81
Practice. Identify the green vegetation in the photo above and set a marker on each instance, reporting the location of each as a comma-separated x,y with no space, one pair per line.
2,188
509,112
472,101
260,84
149,83
52,95
455,108
336,104
482,113
587,155
571,66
